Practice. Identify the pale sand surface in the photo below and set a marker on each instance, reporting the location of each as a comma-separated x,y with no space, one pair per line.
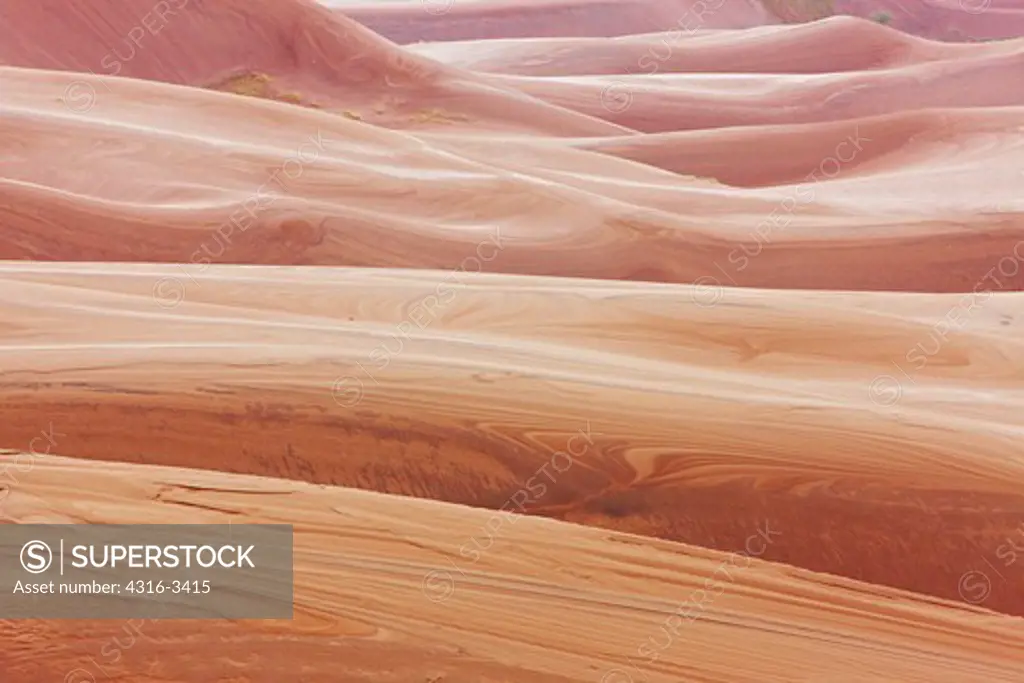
838,44
661,275
863,434
938,188
422,20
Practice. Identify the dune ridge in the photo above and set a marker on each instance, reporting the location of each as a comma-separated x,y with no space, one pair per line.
655,102
298,194
950,20
309,54
837,44
399,606
617,341
675,402
444,20
788,154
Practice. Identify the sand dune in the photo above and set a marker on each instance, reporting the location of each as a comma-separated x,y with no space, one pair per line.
447,20
888,428
838,44
383,593
442,20
294,51
296,186
728,307
946,20
955,20
789,154
657,102
308,55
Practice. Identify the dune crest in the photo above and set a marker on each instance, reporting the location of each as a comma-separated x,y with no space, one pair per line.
553,603
673,403
838,44
301,187
305,53
443,20
579,341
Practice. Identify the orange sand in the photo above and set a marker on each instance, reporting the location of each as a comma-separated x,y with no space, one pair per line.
697,292
383,593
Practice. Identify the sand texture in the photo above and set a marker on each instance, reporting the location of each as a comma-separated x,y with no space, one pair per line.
597,341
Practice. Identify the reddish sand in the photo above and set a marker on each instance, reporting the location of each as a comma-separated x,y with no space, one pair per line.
305,52
955,20
659,102
418,20
834,45
946,20
676,403
383,593
462,341
454,20
789,154
307,187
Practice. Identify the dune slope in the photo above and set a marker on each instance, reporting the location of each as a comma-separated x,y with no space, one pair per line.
934,212
443,20
837,44
550,603
946,20
618,341
292,50
886,429
655,102
951,20
788,154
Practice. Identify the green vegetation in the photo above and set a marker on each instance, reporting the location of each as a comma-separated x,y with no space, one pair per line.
883,18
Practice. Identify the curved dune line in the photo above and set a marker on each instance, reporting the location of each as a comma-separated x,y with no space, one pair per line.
884,436
411,21
549,602
295,186
298,50
676,101
832,45
570,359
956,20
906,142
292,35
